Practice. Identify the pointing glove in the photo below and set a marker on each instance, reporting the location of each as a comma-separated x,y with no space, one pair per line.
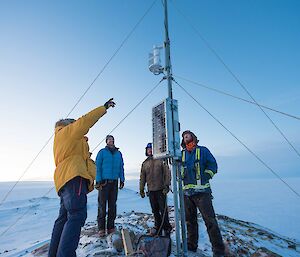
109,103
166,190
99,185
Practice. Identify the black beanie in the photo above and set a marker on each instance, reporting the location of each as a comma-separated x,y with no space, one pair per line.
109,136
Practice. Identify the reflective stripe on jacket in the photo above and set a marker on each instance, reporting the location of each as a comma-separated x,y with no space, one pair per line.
198,167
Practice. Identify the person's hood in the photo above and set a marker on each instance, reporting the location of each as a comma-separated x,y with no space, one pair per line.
194,137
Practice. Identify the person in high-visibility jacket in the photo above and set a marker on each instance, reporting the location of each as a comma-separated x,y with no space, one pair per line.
198,167
74,178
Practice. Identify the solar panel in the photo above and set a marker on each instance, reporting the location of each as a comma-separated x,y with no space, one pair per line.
163,144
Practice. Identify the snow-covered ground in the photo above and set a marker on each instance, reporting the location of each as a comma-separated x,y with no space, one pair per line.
264,202
267,202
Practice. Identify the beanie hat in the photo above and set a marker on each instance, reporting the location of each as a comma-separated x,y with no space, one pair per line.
109,136
63,122
149,145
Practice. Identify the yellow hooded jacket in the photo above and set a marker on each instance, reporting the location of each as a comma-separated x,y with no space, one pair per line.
71,150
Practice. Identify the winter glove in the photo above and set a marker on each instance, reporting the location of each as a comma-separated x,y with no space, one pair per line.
121,185
166,190
109,103
99,185
210,173
142,193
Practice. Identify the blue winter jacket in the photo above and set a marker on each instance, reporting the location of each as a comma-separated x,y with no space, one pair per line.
109,165
208,168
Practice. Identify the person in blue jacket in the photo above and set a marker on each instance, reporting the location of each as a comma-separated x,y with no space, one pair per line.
109,169
198,168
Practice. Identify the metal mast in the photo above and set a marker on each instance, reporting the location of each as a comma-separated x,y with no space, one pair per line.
181,243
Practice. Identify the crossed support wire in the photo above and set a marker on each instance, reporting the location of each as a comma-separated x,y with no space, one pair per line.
239,140
118,124
72,109
226,67
82,96
236,97
179,179
234,76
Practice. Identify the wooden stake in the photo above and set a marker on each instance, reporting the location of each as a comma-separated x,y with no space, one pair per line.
127,242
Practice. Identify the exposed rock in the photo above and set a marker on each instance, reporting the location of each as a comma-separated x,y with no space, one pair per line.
242,239
264,252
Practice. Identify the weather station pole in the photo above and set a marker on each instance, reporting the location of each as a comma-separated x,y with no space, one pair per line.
166,137
179,212
168,67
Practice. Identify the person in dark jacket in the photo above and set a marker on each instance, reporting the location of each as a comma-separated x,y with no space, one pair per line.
74,178
157,176
110,169
198,167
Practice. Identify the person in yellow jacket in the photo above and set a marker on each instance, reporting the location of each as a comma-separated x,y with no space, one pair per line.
74,178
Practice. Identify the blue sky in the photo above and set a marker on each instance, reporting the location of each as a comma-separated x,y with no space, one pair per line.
50,52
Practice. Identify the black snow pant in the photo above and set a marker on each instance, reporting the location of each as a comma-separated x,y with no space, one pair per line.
158,202
109,195
203,202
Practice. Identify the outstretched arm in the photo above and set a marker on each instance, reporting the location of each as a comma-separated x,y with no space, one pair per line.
80,127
